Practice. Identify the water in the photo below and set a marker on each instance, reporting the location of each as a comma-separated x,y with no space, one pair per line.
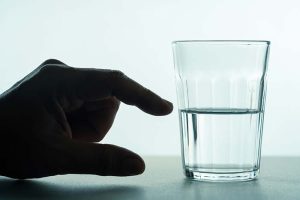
221,140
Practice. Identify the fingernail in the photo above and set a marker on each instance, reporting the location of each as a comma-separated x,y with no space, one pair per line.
133,166
169,104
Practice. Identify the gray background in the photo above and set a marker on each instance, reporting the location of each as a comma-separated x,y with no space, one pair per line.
135,36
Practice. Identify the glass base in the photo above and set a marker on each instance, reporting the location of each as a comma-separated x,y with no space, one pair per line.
221,177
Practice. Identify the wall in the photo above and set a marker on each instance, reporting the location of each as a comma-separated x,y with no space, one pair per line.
135,36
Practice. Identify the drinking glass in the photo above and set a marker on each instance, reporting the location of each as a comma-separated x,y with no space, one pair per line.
221,89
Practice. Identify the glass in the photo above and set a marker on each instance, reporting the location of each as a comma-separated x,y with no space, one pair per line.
221,87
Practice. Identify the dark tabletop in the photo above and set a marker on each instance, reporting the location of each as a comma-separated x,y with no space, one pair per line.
163,179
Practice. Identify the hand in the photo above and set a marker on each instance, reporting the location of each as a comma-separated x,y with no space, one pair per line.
51,119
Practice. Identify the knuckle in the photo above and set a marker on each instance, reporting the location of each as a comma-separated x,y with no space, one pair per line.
106,161
48,69
103,161
48,77
52,70
116,74
52,61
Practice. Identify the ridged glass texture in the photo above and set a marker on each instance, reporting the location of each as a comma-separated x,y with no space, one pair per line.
221,87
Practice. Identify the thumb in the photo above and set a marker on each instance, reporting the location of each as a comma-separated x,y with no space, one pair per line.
101,159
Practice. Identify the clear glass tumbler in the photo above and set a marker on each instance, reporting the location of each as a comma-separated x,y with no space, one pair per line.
221,87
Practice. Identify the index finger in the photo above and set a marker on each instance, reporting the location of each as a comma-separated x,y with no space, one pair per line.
93,84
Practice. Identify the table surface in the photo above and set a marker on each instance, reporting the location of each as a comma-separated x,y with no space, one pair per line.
163,179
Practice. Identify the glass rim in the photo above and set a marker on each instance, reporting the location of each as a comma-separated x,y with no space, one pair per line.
226,42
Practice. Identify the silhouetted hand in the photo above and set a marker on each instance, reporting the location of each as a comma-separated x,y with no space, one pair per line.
50,119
